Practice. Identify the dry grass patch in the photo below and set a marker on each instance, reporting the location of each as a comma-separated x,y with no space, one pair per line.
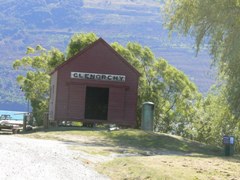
103,151
171,168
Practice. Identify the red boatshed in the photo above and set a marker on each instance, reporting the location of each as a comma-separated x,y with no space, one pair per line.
96,85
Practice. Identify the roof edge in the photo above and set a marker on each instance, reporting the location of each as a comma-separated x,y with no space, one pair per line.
76,55
90,46
120,56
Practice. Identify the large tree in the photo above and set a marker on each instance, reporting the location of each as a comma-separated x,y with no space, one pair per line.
216,24
39,62
35,84
214,119
173,94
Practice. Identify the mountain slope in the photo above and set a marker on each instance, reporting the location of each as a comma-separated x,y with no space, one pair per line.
51,23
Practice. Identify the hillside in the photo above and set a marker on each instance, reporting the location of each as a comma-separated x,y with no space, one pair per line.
51,23
136,154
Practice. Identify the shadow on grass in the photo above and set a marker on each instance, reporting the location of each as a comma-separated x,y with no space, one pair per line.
139,141
64,129
151,141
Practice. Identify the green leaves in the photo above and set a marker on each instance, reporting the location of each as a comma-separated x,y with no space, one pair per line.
79,42
30,50
39,62
217,24
35,84
56,57
171,91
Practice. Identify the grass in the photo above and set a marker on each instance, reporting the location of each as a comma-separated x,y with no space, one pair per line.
146,155
152,141
128,139
103,151
171,167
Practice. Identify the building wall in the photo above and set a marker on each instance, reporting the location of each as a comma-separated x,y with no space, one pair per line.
122,95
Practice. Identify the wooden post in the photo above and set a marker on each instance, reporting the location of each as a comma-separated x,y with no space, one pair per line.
25,118
45,121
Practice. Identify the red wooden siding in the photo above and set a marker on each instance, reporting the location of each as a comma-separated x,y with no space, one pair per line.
102,59
76,101
116,104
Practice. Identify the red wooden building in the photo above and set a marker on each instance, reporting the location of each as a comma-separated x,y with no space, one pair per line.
96,85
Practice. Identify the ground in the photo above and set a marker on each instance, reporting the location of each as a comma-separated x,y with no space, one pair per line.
95,153
24,158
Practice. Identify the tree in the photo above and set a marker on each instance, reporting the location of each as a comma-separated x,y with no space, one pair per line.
217,24
171,91
39,62
35,84
78,42
214,119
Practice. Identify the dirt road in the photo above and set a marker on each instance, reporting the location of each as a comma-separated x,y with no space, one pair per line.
23,158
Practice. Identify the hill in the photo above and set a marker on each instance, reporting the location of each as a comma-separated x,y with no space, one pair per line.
51,23
136,154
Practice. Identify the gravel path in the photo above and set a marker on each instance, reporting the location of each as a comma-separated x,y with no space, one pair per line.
23,158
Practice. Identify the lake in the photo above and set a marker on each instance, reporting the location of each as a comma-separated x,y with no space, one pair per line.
16,115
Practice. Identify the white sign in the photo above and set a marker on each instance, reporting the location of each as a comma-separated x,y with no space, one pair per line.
95,76
231,140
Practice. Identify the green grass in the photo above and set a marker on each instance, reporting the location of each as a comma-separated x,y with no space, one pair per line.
154,155
77,131
171,167
154,141
131,140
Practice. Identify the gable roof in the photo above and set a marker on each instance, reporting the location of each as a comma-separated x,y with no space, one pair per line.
100,40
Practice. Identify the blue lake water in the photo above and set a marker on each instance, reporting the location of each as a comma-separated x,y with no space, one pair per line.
16,115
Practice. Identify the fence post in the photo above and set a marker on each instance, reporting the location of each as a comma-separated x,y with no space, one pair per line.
25,119
46,121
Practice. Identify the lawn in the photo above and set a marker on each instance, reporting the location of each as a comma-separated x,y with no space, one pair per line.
136,154
171,167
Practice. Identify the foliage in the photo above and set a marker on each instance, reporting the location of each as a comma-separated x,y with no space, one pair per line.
173,94
215,23
39,63
35,84
78,42
214,119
